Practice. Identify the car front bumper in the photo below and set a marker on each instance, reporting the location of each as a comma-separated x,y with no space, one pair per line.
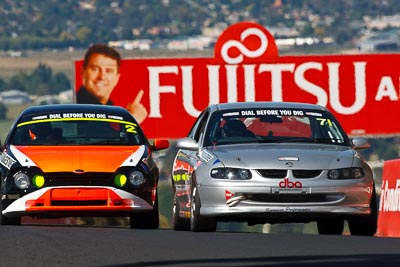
70,200
272,202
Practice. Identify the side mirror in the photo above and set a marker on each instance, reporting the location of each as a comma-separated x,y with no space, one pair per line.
159,144
187,143
360,143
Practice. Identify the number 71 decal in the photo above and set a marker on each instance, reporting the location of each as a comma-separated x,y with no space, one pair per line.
323,121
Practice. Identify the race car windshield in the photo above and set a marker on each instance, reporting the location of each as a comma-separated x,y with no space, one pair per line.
273,126
77,132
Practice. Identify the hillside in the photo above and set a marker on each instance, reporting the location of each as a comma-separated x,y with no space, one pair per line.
58,24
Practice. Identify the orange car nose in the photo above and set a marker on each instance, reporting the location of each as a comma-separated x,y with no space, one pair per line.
69,158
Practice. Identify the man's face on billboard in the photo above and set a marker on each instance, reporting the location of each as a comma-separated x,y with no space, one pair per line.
100,76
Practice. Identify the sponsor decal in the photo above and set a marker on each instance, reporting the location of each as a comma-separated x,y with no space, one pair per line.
198,164
77,116
277,112
389,203
290,187
69,115
229,114
216,162
314,114
288,158
6,160
288,209
182,191
181,171
206,156
177,177
286,183
39,117
228,194
183,156
390,197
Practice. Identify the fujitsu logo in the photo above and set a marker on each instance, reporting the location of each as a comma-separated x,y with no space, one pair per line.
289,184
242,47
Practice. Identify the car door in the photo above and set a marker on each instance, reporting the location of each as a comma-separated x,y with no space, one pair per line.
185,163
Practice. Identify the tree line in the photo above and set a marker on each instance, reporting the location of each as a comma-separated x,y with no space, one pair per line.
41,81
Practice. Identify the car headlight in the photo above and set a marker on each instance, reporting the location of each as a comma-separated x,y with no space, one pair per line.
38,180
120,180
136,178
346,173
22,180
231,173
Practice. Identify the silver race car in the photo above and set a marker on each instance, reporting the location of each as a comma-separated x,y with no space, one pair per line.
272,162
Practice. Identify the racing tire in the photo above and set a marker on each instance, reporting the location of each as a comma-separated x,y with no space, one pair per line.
199,223
365,225
179,224
330,226
4,220
148,220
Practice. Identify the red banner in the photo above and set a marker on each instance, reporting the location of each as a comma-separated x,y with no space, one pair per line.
389,205
361,90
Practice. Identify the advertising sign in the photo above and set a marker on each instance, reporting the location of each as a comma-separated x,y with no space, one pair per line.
389,204
361,90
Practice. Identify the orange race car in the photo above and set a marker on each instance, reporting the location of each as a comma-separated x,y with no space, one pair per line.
79,160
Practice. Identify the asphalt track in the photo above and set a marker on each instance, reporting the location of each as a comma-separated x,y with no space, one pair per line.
48,245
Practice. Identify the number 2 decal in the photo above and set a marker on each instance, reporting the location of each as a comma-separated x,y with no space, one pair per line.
130,129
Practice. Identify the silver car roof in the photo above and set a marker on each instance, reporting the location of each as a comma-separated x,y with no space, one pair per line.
266,104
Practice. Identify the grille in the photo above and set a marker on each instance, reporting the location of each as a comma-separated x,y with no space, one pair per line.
288,198
79,203
306,173
65,179
280,174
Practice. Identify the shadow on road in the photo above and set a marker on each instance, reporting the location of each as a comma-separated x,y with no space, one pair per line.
297,261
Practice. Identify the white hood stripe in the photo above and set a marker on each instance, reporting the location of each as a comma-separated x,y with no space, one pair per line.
23,159
134,159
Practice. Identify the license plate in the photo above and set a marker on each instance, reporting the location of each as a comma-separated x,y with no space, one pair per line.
303,190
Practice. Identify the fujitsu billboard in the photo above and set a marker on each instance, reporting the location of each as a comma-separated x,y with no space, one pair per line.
361,90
